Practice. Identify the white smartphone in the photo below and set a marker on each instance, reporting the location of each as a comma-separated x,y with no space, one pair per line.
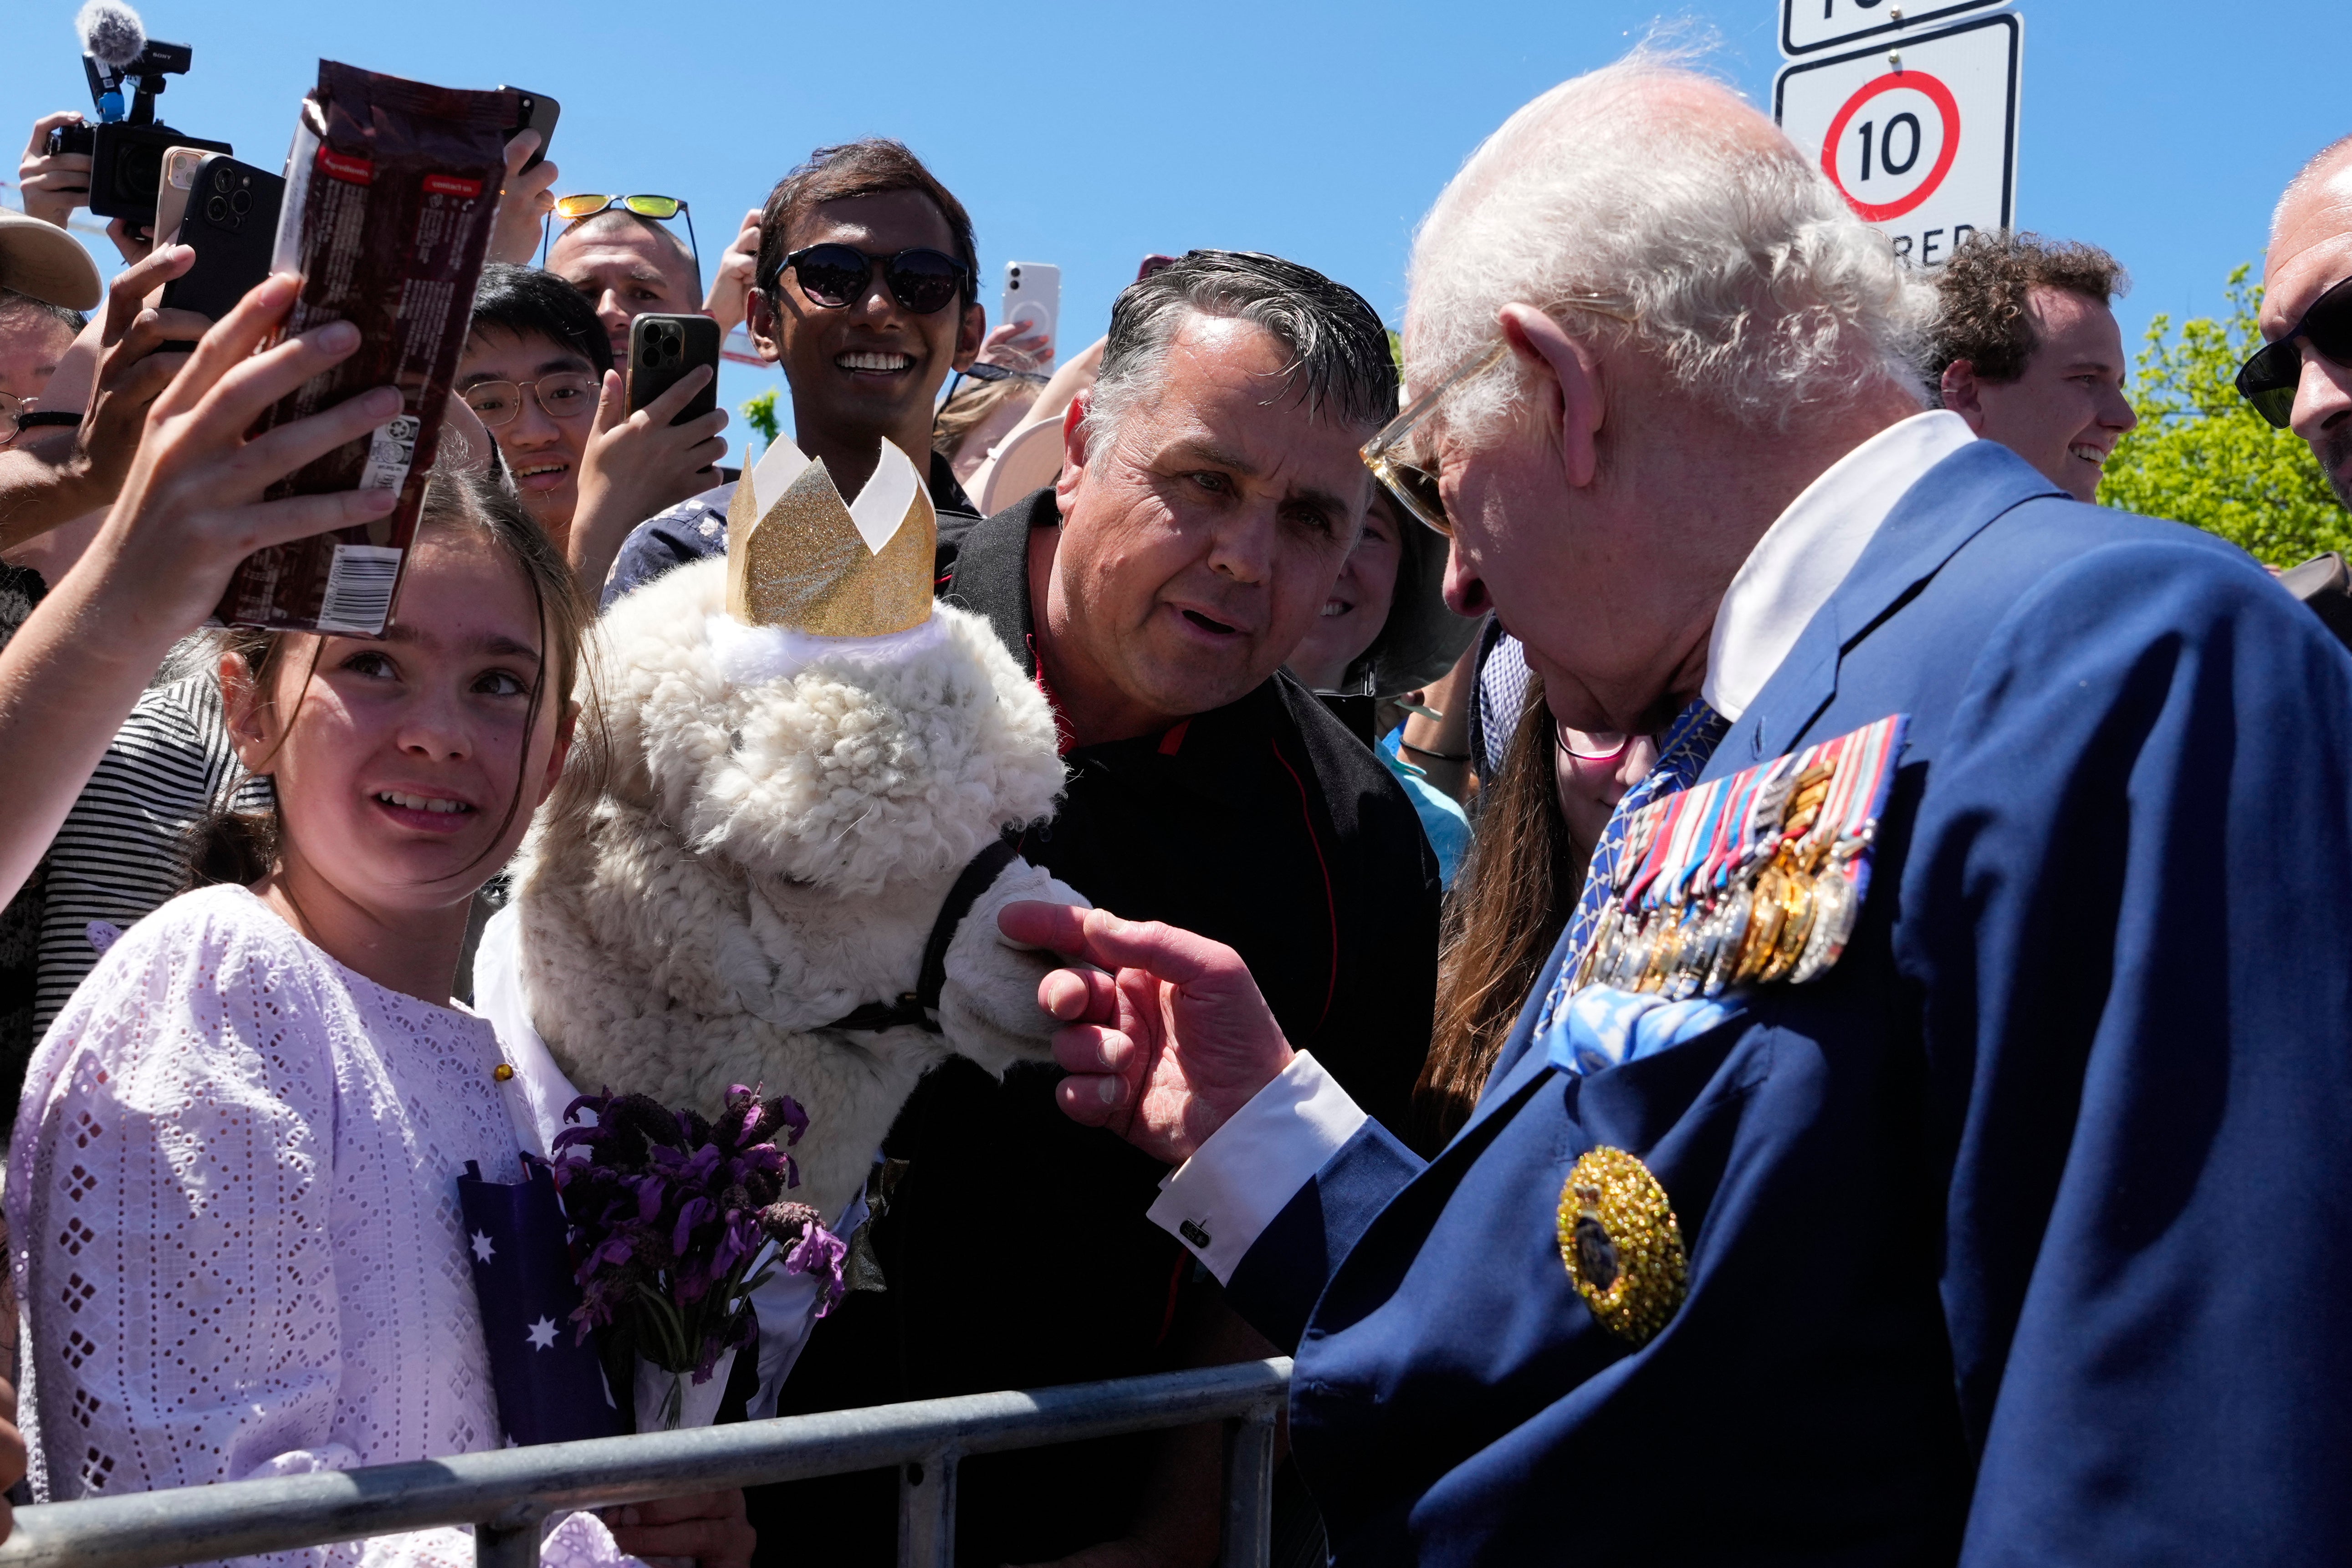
1033,296
179,177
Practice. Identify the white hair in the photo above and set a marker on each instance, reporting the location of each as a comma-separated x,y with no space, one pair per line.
1630,210
2320,170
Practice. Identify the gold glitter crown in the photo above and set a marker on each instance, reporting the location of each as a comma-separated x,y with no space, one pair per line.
800,558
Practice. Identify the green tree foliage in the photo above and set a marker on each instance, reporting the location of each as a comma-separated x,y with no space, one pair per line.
760,413
2202,456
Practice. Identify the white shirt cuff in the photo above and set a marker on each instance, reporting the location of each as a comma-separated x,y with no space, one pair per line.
1219,1202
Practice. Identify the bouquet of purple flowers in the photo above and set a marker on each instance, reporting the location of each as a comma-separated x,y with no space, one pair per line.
669,1216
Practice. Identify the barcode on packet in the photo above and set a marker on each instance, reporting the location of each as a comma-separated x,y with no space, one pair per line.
359,589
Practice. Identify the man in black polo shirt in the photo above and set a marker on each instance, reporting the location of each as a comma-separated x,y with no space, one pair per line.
1210,494
865,300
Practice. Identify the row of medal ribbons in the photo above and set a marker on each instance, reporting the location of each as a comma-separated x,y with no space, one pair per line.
1748,879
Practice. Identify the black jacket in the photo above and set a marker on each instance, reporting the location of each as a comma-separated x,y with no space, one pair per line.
1015,1247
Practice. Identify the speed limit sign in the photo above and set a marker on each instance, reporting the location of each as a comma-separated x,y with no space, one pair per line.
1919,134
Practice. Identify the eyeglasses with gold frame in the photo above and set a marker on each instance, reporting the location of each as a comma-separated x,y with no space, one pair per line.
1415,488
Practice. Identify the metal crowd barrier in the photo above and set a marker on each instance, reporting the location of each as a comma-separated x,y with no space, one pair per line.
506,1495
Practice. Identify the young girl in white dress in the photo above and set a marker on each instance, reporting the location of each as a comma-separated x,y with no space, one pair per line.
233,1179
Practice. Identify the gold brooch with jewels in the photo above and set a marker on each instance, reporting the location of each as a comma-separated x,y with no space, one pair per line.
1623,1245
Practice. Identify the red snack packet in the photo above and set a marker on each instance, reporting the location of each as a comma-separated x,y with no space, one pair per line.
391,191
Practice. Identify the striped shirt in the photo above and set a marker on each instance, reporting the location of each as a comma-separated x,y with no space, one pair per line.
120,854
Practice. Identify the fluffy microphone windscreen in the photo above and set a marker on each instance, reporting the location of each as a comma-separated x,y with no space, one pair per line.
111,32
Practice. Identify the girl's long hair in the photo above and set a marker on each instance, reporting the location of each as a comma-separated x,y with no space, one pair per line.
1505,912
243,847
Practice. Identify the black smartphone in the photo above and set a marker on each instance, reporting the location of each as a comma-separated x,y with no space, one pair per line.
538,112
231,221
662,349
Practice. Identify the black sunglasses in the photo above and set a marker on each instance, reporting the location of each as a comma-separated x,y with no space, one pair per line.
922,281
2274,370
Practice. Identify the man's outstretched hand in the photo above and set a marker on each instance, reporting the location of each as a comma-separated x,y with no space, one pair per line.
1165,1040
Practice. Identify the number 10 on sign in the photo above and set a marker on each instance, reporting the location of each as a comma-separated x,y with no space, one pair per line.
1921,142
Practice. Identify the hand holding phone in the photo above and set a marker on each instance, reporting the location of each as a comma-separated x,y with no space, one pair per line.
231,222
538,112
1033,300
662,350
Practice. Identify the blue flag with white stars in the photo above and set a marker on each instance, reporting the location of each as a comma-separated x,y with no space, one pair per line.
551,1388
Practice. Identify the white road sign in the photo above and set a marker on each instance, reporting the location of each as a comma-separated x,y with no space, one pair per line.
1923,145
1809,24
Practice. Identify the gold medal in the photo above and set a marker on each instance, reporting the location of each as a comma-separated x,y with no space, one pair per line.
1623,1245
1837,908
1663,953
1763,924
1796,924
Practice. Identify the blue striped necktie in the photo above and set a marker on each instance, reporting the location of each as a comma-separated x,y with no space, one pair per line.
1690,740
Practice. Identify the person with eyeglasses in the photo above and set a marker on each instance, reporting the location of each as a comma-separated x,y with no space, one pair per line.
1927,1146
865,300
537,374
618,253
2026,349
2301,379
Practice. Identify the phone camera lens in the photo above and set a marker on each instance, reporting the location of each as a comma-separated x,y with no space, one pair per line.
217,209
220,179
241,203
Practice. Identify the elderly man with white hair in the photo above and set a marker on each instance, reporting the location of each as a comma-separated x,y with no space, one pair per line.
1927,1143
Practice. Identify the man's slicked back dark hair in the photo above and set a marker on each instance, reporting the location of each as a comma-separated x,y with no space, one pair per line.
1340,360
529,302
873,167
1981,292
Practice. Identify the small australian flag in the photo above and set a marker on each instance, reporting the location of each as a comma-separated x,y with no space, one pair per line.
551,1388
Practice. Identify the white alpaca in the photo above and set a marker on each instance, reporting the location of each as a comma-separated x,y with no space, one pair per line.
778,820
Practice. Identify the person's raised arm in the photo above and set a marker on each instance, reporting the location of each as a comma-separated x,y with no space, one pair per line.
524,202
1165,1040
190,509
51,184
729,299
636,465
1170,1045
71,474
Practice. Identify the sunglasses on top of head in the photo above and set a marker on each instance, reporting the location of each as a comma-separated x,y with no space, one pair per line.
2273,371
922,281
572,208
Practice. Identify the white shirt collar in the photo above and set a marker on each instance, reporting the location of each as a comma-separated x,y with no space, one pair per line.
1809,550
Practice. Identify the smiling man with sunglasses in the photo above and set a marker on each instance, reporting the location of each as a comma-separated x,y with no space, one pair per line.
865,300
2302,377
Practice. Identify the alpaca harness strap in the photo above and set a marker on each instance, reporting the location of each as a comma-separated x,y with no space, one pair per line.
917,1006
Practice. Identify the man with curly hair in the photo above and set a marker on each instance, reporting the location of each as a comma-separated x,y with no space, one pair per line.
2025,349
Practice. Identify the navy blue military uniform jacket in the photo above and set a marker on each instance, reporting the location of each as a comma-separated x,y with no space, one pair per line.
2013,1238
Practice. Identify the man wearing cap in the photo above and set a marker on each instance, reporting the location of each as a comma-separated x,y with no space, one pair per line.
1928,1141
46,277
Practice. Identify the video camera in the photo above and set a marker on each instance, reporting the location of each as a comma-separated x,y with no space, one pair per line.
125,147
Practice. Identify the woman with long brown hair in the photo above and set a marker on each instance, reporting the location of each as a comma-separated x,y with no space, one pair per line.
1537,821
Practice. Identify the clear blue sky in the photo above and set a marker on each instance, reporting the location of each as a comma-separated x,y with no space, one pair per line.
1091,135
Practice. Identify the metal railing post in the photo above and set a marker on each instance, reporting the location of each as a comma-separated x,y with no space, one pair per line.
927,1511
515,1548
505,1494
1249,1489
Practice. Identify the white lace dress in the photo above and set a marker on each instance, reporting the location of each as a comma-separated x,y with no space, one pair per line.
233,1197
